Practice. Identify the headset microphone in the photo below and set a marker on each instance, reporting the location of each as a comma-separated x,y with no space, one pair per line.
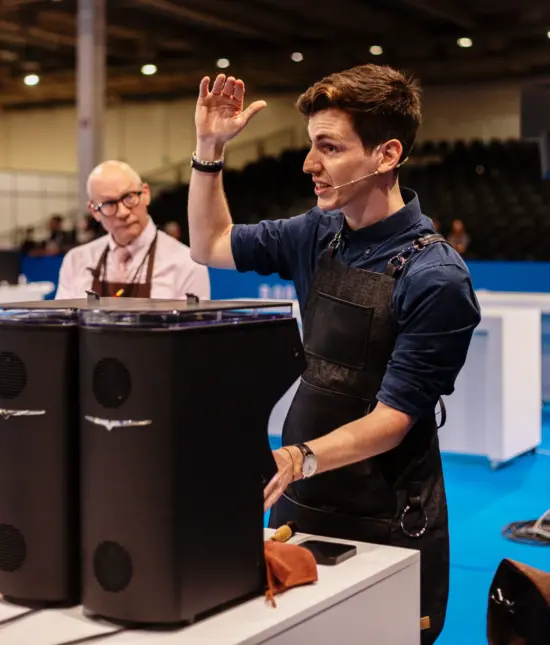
353,181
376,172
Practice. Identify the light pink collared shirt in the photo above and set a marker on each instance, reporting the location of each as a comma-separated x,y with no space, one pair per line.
174,273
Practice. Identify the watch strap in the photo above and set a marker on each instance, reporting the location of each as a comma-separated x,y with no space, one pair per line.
305,450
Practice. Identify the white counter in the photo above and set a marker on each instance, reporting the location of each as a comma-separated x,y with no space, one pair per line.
351,603
495,410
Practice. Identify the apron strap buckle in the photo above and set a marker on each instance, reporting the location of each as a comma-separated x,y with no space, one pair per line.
334,244
396,264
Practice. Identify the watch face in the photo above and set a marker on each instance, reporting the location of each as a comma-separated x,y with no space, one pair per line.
309,465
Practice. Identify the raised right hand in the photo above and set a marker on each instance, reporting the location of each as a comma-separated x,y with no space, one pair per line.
219,115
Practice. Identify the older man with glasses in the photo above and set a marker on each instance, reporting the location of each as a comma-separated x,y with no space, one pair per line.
134,259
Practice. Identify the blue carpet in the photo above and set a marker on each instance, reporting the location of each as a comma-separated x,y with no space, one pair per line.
481,503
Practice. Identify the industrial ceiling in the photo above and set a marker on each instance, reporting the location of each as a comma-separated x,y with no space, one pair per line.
274,45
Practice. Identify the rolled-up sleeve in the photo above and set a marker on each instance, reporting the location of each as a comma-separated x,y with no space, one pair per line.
267,247
436,311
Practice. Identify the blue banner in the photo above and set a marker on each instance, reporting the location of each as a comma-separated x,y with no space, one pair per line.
229,284
226,284
531,277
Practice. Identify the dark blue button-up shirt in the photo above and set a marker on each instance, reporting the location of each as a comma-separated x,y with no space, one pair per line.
433,301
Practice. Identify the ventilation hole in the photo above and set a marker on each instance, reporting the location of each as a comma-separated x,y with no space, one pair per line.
13,375
111,383
112,567
13,549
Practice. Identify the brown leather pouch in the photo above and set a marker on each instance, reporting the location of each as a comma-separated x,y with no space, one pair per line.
288,565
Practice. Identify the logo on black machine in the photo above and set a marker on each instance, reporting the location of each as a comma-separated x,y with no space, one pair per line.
8,414
111,424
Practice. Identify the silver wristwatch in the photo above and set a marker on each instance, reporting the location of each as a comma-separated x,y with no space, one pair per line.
309,463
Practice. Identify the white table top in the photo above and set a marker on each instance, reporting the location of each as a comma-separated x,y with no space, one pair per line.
250,623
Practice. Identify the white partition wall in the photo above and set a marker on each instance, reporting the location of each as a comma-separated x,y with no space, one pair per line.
495,410
538,300
29,198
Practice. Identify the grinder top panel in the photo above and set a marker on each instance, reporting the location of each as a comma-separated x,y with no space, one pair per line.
48,317
152,313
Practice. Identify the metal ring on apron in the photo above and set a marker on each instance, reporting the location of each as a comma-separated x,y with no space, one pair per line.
418,533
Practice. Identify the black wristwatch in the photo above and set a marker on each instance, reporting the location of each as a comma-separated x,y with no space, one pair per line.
309,463
206,166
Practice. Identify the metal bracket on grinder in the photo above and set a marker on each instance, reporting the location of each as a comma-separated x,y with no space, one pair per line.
92,296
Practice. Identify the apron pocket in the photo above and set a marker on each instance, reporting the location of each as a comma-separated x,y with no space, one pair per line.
341,332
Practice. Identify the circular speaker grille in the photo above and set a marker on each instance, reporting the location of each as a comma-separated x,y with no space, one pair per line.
112,566
13,549
13,375
111,383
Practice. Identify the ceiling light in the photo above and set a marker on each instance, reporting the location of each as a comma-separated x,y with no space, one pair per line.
149,69
222,63
464,42
297,57
548,34
376,50
31,79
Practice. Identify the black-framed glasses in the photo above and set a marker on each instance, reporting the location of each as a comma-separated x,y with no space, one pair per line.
110,208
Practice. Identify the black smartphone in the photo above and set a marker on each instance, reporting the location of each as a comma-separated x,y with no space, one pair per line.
329,553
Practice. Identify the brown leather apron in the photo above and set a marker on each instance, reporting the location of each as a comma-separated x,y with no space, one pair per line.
132,289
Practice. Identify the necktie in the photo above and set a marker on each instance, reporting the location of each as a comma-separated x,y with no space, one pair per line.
122,257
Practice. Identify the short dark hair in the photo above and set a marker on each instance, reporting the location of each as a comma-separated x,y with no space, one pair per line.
382,102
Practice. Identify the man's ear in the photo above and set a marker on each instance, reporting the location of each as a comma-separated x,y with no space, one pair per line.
390,152
146,194
95,214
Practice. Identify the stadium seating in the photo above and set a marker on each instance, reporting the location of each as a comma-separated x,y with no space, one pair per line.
494,187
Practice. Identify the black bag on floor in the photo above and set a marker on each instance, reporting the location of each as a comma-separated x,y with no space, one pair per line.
519,606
